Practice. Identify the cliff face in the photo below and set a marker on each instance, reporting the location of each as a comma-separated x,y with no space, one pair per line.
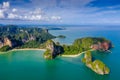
7,42
104,46
1,44
52,50
23,37
97,66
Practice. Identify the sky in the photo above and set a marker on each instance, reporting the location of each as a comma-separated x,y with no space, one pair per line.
79,12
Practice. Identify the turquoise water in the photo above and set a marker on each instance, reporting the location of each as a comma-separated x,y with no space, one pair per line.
30,65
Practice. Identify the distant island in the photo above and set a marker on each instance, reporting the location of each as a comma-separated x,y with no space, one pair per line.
56,28
16,37
61,36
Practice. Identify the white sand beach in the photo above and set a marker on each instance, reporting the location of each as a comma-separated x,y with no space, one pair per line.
76,54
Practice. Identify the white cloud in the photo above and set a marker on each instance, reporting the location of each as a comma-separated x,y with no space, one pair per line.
37,11
17,13
14,10
56,18
12,16
2,14
32,17
3,9
6,5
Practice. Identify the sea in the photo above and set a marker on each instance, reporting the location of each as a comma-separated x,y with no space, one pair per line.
30,64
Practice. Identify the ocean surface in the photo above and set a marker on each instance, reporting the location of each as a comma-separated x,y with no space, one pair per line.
30,64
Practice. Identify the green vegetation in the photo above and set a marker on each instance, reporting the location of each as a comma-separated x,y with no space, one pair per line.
88,57
53,49
82,44
96,65
48,54
79,45
61,36
31,44
24,37
5,48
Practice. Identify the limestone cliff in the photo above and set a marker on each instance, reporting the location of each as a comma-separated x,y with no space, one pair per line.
104,46
52,50
7,42
1,44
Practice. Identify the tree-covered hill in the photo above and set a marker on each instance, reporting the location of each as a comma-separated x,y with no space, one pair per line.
24,37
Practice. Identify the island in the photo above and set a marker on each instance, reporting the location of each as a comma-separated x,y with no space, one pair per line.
79,46
61,36
96,65
16,37
56,28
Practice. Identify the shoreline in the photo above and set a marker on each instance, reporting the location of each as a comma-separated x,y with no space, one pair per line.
76,55
23,50
28,49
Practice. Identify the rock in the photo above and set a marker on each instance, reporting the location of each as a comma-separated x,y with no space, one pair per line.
104,46
1,44
97,66
52,50
7,42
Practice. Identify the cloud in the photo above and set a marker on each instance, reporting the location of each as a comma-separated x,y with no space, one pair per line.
12,16
67,11
17,14
3,8
6,5
56,18
2,14
14,10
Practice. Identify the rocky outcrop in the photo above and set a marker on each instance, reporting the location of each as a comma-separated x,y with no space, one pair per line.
7,42
52,50
104,46
1,44
97,66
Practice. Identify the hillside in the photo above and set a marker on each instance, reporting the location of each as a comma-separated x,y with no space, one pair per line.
23,37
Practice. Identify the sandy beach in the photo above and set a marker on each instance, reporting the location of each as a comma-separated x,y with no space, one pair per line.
44,50
29,49
76,54
23,49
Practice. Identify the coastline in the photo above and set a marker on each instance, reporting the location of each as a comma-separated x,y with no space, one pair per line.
29,49
76,55
23,50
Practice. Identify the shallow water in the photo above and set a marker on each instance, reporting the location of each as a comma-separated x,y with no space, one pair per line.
30,64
